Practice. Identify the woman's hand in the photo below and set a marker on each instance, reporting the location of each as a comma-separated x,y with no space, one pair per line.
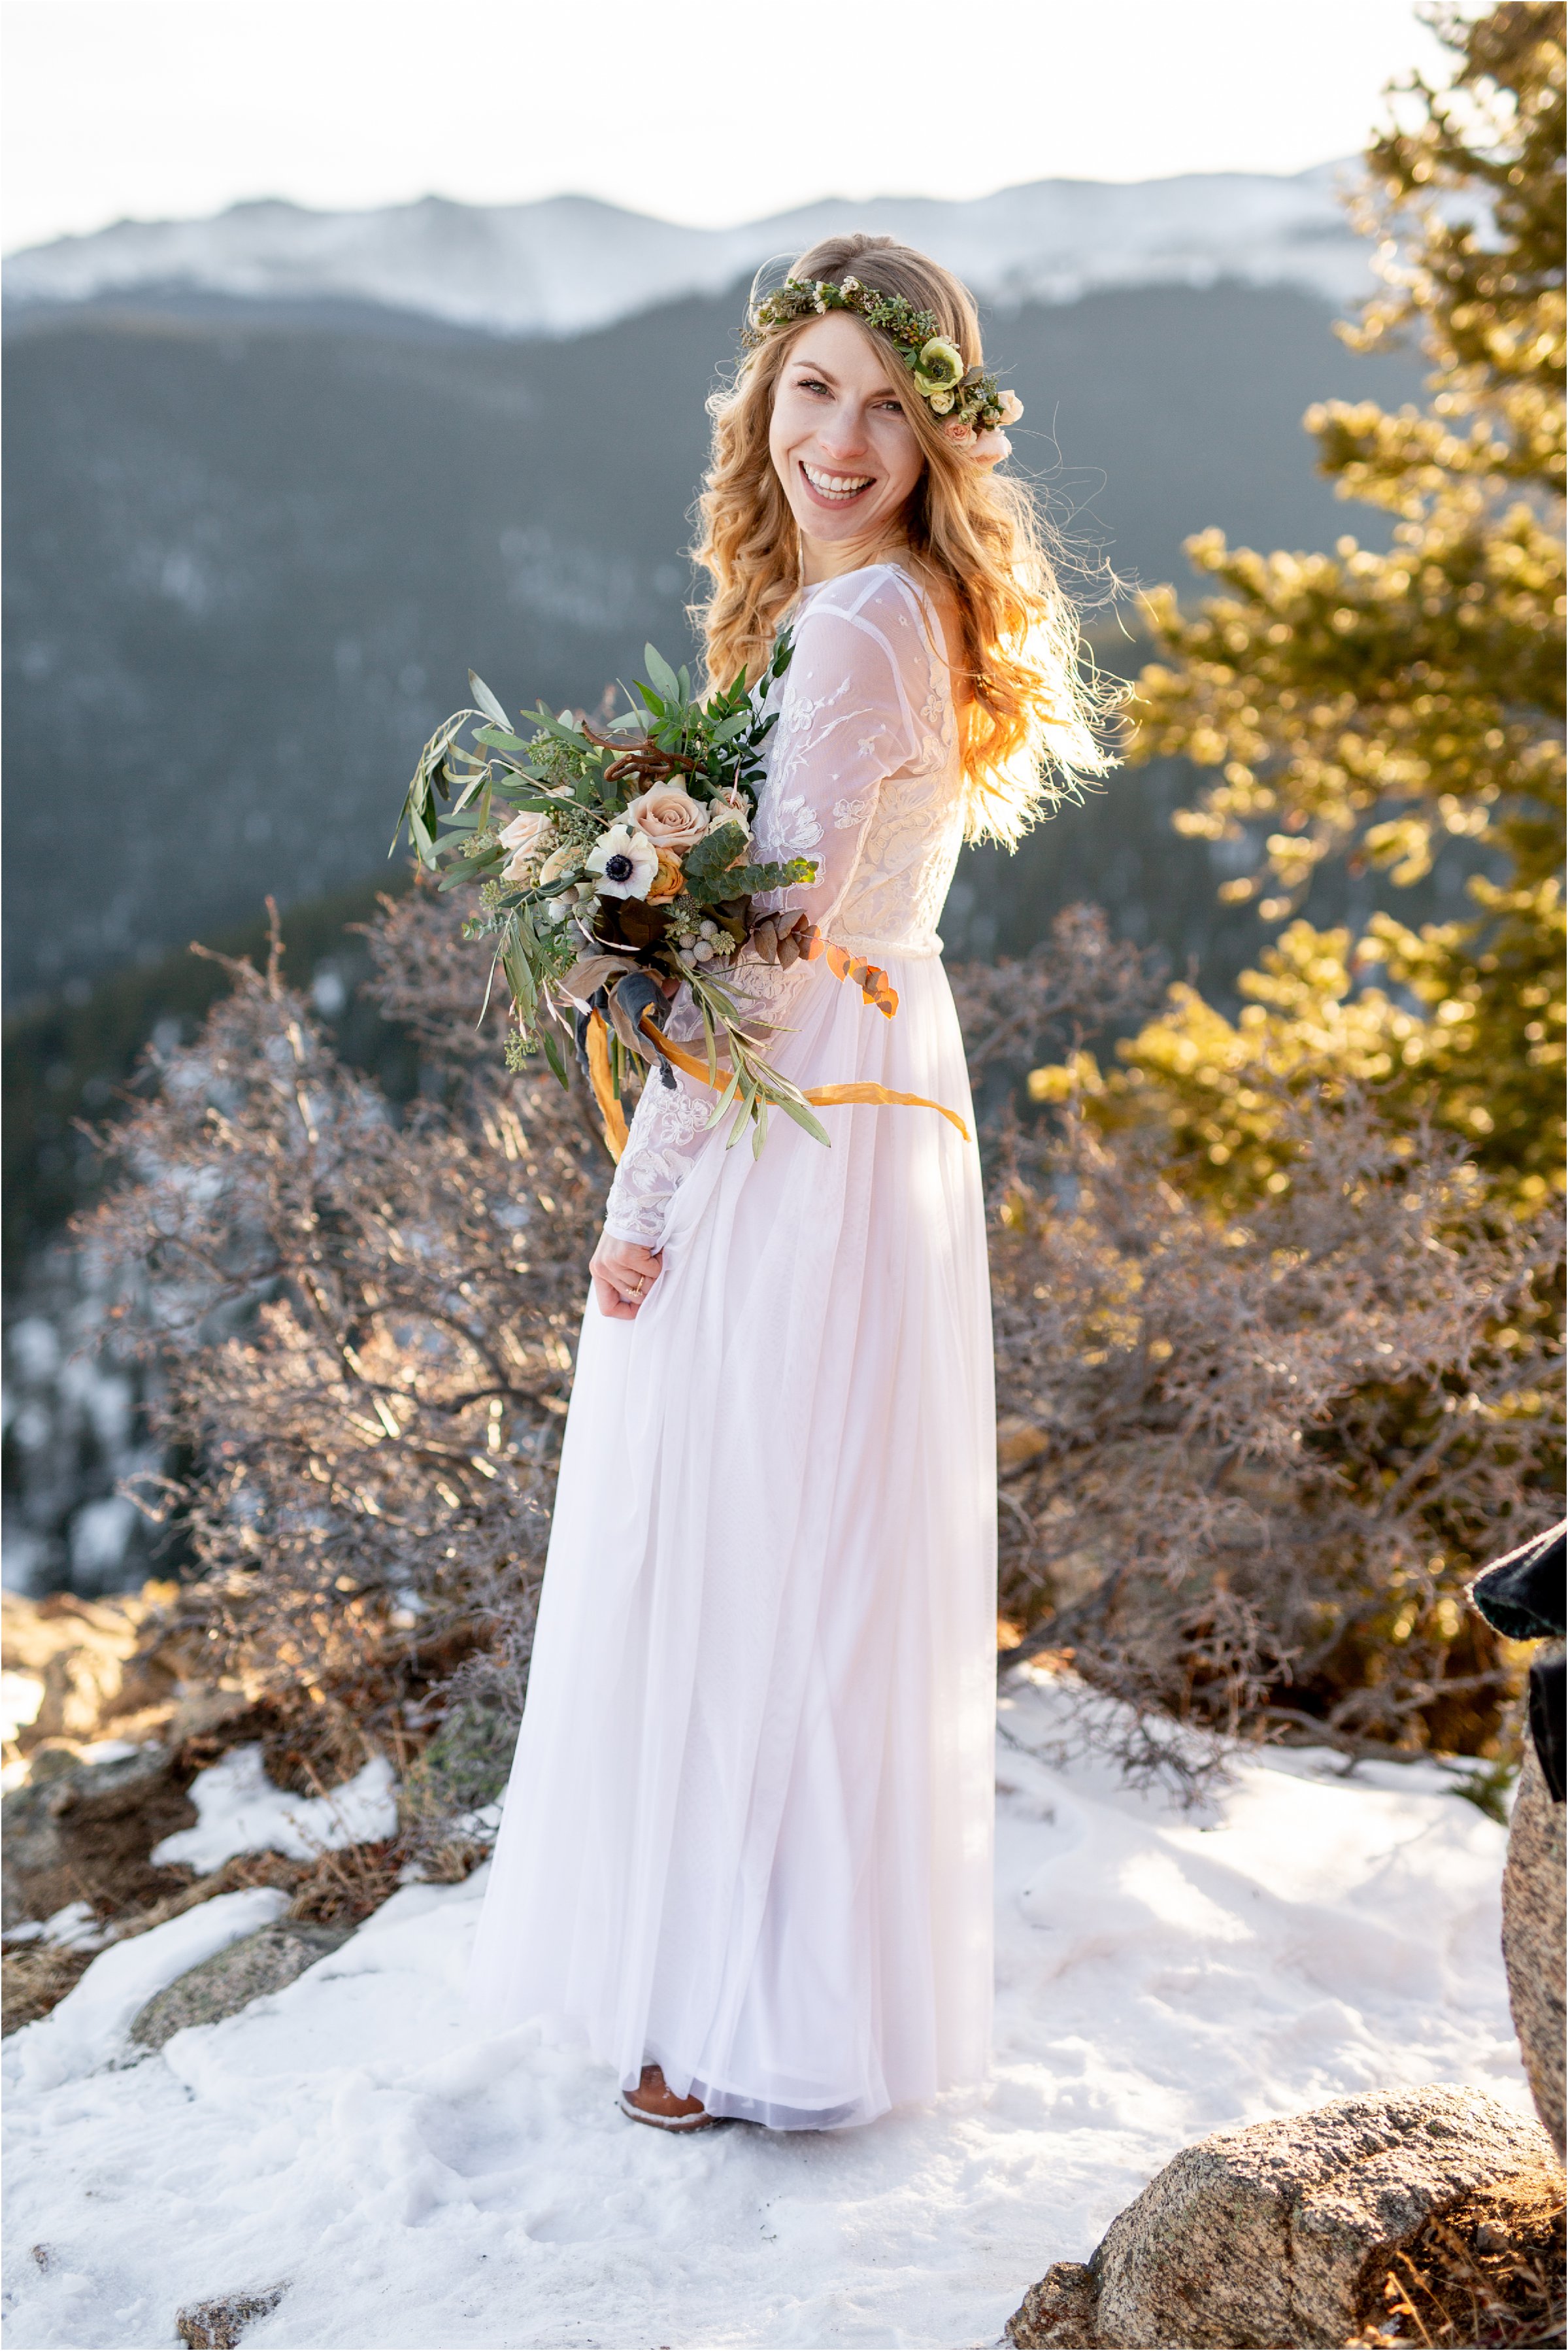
624,1272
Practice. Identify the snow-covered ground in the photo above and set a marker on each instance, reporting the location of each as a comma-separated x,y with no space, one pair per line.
238,1810
1160,1975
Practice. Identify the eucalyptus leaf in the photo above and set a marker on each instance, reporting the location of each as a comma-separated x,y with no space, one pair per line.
743,1111
524,994
552,1055
725,1099
487,701
662,677
500,739
802,1117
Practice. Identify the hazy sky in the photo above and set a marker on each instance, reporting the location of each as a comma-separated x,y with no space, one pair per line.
700,111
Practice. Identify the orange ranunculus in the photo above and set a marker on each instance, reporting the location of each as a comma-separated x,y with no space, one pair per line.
669,882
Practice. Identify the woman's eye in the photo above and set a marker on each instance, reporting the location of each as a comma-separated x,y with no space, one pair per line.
812,383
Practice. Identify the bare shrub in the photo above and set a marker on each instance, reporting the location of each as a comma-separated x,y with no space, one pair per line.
35,1978
1249,1459
366,1329
1249,1464
1078,984
1488,2272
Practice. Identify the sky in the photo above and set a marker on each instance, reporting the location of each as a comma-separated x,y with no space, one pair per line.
705,112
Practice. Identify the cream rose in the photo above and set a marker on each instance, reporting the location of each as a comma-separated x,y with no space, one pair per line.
670,817
1012,407
956,430
989,449
559,862
729,808
525,837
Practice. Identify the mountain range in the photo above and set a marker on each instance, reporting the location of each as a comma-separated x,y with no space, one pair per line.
276,480
570,264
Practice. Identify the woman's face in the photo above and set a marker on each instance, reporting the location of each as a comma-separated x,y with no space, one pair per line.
842,444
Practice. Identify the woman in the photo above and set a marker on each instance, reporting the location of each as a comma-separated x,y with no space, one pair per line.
747,1841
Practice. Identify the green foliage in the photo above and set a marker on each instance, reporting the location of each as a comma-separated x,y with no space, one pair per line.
565,943
464,1766
1361,707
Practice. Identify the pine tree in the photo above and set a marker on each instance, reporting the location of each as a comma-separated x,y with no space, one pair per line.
1362,705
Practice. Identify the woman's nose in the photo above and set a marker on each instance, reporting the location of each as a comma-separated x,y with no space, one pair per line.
844,435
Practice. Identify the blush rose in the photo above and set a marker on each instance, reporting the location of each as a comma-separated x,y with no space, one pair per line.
671,818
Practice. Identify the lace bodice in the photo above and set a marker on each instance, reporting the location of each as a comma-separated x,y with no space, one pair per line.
864,777
863,766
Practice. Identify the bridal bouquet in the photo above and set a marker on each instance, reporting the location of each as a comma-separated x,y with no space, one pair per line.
609,861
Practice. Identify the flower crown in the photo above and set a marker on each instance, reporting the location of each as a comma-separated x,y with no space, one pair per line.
968,401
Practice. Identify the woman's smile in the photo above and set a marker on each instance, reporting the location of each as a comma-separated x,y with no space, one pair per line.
834,489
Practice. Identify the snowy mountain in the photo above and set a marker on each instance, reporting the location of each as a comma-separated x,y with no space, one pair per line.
572,264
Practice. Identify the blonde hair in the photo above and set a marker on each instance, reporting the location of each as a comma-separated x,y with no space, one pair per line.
1029,716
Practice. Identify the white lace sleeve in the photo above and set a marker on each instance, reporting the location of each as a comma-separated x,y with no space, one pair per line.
666,1129
852,712
846,720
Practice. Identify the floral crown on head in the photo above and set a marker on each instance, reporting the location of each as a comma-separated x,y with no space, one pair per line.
972,407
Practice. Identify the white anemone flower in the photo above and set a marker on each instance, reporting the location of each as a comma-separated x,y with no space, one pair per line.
626,862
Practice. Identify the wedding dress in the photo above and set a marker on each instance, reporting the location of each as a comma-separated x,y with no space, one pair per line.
748,1831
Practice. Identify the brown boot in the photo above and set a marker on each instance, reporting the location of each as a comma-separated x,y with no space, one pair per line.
655,2103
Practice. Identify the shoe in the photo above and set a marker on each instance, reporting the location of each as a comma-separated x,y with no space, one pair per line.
683,2115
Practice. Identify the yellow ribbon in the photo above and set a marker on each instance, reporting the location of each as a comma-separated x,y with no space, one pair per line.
611,1110
826,1097
820,1097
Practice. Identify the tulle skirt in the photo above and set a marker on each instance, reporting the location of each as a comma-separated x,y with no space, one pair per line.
748,1833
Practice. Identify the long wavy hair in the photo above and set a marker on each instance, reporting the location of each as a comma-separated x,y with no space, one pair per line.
1030,707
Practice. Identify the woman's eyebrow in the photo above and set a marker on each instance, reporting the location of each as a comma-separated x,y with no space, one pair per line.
887,391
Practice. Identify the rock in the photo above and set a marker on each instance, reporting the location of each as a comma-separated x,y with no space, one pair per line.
1278,2234
83,1832
88,1655
246,1971
1018,1443
1058,2315
1532,1904
218,2325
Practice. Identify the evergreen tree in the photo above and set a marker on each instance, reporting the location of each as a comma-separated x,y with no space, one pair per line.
1362,705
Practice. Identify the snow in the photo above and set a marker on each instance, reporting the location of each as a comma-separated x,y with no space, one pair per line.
570,264
21,1695
90,2026
240,1811
1160,1975
76,1927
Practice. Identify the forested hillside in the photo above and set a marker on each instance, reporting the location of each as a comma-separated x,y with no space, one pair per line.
251,554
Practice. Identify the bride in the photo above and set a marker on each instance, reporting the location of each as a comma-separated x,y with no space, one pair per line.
747,1841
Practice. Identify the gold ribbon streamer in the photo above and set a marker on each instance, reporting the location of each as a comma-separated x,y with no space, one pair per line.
610,1110
825,1097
